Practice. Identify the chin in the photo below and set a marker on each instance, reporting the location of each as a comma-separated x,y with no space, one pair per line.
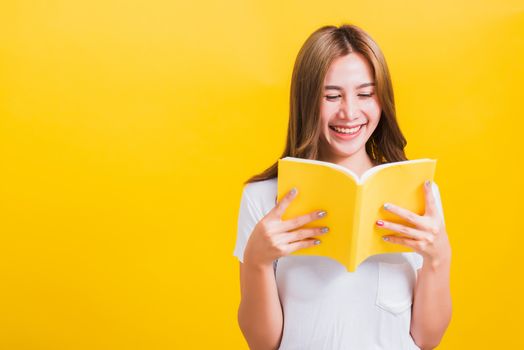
347,152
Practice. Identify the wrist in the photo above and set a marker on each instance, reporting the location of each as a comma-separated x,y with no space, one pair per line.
257,266
437,264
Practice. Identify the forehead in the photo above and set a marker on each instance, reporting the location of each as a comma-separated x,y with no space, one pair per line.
349,70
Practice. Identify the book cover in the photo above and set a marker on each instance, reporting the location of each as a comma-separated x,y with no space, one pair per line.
353,203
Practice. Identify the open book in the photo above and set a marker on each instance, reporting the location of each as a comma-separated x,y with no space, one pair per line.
353,204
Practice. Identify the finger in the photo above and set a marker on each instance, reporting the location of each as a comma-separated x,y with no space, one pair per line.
299,221
423,223
304,233
306,243
431,205
406,230
408,242
282,205
411,217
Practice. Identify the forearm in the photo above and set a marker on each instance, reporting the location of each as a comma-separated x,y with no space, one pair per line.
260,313
432,305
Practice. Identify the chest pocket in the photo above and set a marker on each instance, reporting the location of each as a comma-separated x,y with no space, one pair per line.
395,286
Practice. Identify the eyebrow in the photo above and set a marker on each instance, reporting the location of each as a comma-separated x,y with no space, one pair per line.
335,87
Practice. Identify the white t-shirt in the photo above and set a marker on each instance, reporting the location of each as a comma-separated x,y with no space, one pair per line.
327,308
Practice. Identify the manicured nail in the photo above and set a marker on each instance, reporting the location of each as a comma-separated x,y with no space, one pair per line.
387,206
427,183
380,223
316,242
324,229
321,213
293,191
385,238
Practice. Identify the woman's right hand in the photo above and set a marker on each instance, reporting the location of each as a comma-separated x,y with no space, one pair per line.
273,238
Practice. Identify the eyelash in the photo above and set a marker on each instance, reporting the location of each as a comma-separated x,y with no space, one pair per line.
332,97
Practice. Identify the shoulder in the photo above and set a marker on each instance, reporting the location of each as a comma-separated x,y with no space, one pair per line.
261,194
260,188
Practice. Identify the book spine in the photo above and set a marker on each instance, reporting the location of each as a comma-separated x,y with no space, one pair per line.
356,228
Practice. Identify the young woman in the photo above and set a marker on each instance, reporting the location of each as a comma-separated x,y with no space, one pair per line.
342,111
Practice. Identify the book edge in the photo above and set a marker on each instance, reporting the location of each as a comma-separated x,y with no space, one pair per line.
368,173
325,164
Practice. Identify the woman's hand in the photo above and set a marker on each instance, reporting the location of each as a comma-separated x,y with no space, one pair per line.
273,238
428,236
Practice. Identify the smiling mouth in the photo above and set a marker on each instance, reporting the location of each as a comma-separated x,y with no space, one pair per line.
346,131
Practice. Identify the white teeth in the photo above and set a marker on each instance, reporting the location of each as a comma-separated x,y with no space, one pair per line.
347,131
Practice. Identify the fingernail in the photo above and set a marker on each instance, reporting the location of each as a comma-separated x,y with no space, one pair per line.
387,206
321,213
324,229
385,238
427,182
316,242
293,191
380,223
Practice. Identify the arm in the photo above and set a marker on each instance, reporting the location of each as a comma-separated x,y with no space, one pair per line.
432,304
260,313
431,312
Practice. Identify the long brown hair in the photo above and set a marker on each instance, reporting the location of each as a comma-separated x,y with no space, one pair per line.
326,44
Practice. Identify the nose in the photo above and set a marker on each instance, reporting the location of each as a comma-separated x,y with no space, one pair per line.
348,109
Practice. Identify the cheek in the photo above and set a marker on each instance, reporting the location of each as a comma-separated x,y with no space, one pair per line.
326,112
372,108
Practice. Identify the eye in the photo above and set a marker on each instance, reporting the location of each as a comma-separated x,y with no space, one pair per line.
332,97
366,95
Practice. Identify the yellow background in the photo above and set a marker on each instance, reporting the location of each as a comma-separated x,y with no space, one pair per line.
127,128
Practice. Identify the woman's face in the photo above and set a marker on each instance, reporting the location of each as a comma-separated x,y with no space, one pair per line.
349,108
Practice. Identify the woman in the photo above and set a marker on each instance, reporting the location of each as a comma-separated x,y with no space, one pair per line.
342,111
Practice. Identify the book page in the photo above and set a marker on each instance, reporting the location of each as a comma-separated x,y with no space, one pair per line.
321,188
358,179
334,166
402,185
370,172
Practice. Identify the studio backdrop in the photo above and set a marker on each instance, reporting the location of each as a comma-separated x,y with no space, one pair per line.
128,127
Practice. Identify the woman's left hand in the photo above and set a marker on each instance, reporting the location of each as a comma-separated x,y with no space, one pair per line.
428,237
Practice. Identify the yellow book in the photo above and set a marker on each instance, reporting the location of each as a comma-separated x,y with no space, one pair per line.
353,204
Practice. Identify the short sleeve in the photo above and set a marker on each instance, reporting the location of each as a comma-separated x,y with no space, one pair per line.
416,259
248,217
